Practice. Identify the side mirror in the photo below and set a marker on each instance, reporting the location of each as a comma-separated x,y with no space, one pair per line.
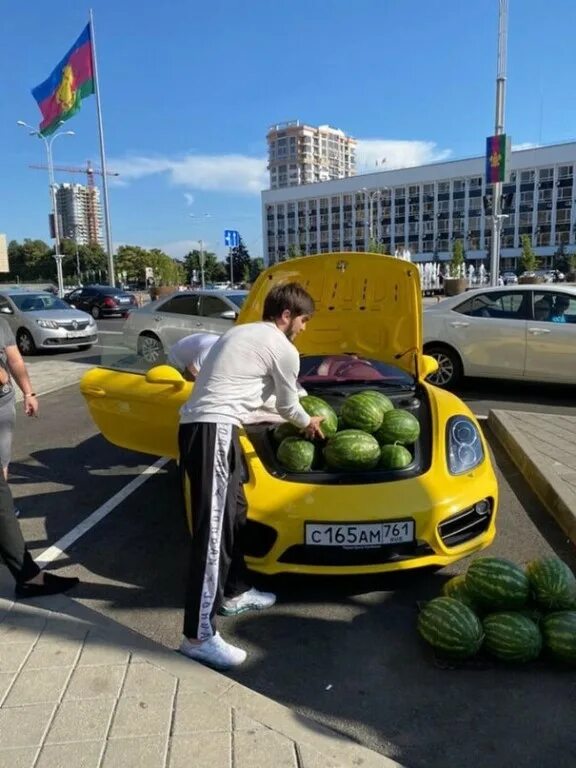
6,311
429,365
165,374
229,314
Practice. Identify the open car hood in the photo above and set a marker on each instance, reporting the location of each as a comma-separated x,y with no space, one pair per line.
366,303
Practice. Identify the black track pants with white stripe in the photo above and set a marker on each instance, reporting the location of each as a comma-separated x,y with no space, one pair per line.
211,456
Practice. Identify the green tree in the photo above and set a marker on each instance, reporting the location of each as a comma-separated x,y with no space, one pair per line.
293,251
375,247
31,260
457,259
211,266
529,260
240,263
256,266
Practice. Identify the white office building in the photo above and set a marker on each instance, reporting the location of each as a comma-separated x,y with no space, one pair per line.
424,210
304,154
80,215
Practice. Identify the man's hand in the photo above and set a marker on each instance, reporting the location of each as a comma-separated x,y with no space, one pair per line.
313,429
30,405
4,376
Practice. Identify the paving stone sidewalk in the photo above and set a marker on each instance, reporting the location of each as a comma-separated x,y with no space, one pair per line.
543,447
78,690
53,374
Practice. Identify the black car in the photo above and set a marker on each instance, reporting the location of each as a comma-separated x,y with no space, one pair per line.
102,300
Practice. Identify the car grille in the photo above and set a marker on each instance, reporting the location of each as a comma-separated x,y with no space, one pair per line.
466,525
301,554
74,325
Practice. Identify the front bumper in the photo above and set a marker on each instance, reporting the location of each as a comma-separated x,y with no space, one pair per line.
447,526
47,338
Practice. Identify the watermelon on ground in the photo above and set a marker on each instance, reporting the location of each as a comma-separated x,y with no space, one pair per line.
559,631
282,431
296,454
315,406
451,627
512,637
552,582
456,588
361,411
398,427
497,583
352,449
395,457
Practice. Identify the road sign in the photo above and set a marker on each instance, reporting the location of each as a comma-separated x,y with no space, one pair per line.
231,238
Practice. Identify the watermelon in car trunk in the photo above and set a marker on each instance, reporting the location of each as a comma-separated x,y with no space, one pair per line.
296,454
352,449
380,399
315,406
398,426
362,411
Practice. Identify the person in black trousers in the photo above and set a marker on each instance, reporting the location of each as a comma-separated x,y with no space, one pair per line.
30,580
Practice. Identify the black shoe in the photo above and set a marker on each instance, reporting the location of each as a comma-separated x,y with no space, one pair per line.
53,585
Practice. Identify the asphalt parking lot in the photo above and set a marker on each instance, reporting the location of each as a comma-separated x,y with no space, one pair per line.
342,651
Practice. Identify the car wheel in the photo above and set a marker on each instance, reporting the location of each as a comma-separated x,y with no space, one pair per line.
151,349
450,371
95,312
25,342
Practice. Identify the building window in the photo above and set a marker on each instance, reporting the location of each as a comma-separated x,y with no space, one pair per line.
443,187
476,182
459,185
565,193
526,177
428,189
525,220
526,198
546,174
544,195
562,216
564,171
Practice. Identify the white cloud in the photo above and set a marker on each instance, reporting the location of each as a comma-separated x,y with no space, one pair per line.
524,145
387,154
248,175
180,248
222,173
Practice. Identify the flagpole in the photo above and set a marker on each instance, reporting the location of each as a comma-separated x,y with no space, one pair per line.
109,246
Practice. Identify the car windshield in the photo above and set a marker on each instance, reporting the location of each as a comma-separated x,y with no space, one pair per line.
351,369
37,302
237,298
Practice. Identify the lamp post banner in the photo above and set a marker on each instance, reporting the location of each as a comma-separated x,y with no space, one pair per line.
497,158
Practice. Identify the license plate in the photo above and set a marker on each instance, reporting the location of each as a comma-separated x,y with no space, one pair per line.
359,535
79,335
124,301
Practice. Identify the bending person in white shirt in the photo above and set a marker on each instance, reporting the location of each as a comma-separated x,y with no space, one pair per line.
249,364
188,354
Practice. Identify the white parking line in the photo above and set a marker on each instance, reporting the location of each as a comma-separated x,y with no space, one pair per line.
57,549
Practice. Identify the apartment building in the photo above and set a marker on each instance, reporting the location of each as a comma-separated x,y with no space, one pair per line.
304,154
80,215
424,209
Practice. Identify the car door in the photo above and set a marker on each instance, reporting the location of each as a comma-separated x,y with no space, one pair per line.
8,314
211,310
176,317
85,299
489,331
551,344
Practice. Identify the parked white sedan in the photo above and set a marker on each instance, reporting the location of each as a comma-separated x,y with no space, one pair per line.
525,332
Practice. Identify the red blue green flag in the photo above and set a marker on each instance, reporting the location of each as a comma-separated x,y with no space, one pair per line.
59,96
497,153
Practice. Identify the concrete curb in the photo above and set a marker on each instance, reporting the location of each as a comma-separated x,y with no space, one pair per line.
540,471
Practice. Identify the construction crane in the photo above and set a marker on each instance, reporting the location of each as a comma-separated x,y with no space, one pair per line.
91,213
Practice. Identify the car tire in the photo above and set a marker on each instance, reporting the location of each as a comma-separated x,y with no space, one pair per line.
450,370
95,312
25,342
151,349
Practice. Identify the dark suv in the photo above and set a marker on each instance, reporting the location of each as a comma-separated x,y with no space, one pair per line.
102,300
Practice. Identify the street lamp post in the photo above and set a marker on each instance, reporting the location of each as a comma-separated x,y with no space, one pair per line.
48,145
202,259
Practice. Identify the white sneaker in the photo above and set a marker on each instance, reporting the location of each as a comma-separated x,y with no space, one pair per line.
251,600
215,652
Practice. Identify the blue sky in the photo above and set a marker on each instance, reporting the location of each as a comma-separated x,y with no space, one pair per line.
189,90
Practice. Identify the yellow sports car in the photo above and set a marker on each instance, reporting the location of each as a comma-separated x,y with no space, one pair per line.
366,333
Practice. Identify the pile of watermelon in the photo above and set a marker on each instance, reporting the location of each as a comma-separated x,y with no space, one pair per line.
369,432
510,613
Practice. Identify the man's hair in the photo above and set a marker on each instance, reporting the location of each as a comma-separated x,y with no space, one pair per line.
291,296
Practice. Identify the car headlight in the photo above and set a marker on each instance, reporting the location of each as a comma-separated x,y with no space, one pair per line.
47,324
464,449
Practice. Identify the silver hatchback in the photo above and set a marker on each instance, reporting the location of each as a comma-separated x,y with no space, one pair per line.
153,329
40,320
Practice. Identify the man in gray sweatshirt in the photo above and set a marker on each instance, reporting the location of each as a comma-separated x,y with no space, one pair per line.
248,365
